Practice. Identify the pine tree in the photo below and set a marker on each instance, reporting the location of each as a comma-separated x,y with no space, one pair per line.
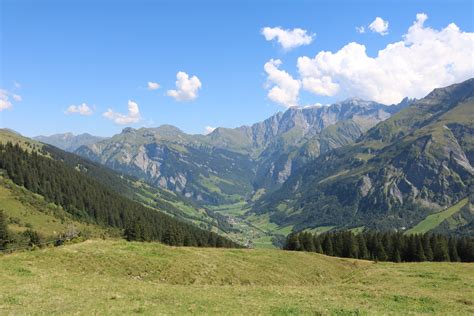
427,247
327,246
337,244
419,252
396,256
410,249
293,242
387,244
317,244
349,249
363,252
306,242
465,248
379,252
441,252
453,252
4,233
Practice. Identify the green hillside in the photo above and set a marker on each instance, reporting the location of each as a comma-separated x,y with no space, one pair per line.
150,278
434,220
91,201
7,135
160,199
26,210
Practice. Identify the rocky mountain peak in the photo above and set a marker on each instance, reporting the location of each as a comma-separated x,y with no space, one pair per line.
128,130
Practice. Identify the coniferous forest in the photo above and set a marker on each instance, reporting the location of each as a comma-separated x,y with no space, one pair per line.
385,246
90,201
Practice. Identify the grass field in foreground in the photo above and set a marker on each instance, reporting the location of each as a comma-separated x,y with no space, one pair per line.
116,277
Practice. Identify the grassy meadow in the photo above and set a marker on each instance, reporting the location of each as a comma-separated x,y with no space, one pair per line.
119,277
434,220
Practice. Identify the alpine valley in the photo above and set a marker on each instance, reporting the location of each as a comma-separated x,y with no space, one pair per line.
354,164
239,157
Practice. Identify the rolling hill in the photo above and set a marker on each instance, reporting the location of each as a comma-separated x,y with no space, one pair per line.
149,278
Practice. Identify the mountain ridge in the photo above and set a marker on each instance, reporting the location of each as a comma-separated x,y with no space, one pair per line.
170,158
68,141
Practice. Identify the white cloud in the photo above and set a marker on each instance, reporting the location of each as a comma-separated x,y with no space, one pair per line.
288,39
285,89
425,59
82,109
186,87
5,102
133,115
153,85
17,97
360,29
379,26
208,130
320,85
16,85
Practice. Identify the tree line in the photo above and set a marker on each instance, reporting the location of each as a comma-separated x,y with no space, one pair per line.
385,246
88,200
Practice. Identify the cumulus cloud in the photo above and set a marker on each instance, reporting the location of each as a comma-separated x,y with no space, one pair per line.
284,88
186,88
360,29
208,130
153,85
5,102
379,26
133,115
288,39
82,109
425,59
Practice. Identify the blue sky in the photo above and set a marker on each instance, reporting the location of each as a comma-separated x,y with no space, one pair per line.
55,54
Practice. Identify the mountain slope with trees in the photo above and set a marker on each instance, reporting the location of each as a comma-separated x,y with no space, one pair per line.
90,201
415,163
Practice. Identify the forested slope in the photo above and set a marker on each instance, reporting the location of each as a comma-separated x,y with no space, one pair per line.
90,201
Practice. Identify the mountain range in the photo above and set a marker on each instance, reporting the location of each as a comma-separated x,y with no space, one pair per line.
352,164
69,141
414,163
228,165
